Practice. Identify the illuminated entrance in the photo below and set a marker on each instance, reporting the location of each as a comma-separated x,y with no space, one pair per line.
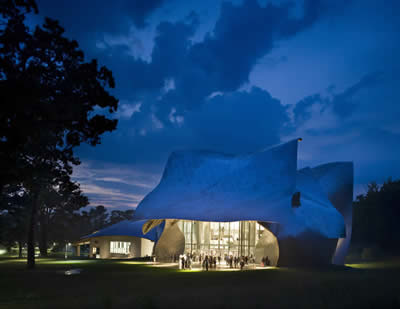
239,238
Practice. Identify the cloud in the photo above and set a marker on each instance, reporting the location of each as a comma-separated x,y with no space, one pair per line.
139,10
100,16
302,110
221,62
98,192
240,121
126,110
345,103
359,124
233,122
114,185
242,35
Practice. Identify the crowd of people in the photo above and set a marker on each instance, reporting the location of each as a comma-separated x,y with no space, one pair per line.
208,261
265,261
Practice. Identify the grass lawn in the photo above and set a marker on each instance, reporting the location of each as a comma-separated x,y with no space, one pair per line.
116,284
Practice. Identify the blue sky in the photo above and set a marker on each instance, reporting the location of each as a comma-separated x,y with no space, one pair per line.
238,76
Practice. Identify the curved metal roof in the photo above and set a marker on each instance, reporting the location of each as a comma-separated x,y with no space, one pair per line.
208,186
129,228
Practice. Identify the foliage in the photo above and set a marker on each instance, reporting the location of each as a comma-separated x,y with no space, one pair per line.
375,218
49,95
14,216
57,204
98,218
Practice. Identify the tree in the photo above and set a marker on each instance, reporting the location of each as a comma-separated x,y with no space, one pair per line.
120,215
57,204
98,217
49,94
375,219
14,216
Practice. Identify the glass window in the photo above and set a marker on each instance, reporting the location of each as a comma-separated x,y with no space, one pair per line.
221,238
120,247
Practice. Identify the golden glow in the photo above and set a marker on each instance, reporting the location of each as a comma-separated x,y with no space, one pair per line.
133,263
391,263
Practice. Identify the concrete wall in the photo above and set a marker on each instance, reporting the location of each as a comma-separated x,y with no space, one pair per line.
146,247
171,242
139,247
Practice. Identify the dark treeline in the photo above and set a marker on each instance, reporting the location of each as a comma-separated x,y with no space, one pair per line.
48,95
376,216
59,218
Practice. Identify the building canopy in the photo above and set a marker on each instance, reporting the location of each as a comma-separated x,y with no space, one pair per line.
207,186
128,228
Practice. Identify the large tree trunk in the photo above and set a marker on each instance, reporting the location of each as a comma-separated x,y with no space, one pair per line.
31,233
43,236
19,249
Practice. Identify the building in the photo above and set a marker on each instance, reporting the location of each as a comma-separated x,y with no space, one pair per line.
123,240
253,205
257,205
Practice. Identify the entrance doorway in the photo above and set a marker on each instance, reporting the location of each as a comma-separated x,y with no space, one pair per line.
239,238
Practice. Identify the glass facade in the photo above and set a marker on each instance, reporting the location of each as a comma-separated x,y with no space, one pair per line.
237,238
120,247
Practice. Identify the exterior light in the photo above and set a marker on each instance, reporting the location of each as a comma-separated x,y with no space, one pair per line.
66,249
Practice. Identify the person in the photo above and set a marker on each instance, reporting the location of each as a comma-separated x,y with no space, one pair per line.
183,261
206,262
219,259
263,261
267,261
241,263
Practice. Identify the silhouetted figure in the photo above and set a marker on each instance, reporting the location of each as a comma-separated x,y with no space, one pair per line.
241,263
206,262
183,261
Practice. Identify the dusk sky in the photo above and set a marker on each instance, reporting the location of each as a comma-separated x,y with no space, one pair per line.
237,77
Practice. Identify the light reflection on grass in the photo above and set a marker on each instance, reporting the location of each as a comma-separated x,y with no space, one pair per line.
170,266
389,263
65,262
132,263
48,261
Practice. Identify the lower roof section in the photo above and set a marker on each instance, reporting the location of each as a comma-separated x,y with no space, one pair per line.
129,228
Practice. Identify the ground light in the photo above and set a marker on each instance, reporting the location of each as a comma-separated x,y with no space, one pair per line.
66,249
